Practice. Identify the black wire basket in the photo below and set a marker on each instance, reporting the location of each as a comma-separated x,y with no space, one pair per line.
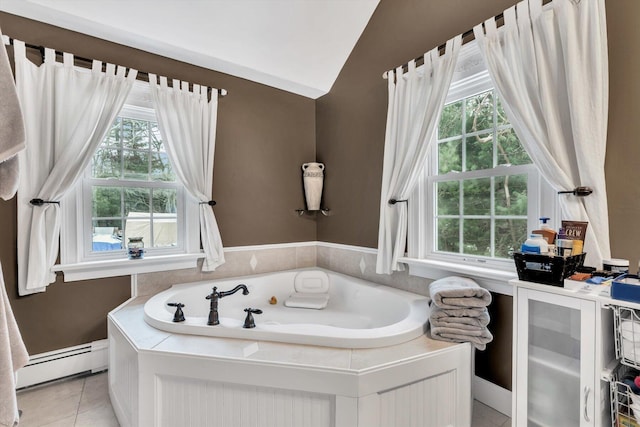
547,269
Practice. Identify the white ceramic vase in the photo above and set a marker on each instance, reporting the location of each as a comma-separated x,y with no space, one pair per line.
313,176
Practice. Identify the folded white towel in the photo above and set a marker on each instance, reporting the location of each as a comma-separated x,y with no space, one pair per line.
12,134
478,317
479,338
13,356
458,292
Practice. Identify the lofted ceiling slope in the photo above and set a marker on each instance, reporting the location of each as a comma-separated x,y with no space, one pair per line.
295,45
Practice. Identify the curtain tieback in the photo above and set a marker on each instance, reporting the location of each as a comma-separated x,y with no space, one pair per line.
394,201
210,203
40,202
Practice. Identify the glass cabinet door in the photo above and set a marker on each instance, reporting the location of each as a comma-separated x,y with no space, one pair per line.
555,360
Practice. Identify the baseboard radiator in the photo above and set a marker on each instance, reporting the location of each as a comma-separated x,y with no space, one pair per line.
44,367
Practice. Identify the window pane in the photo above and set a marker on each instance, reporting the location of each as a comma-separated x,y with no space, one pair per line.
107,235
501,115
450,121
448,197
165,225
479,152
448,235
113,136
161,168
106,163
106,202
135,134
477,196
164,200
511,195
156,139
450,156
136,165
138,225
137,205
477,237
136,200
510,151
479,112
165,231
510,233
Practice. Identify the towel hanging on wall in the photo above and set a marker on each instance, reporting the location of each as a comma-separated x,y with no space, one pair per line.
13,356
12,138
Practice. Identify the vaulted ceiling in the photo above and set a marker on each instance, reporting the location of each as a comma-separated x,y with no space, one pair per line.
296,45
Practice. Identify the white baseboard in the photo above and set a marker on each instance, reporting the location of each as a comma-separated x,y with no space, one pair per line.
492,395
61,363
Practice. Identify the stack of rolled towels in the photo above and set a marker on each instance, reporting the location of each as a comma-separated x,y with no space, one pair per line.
459,311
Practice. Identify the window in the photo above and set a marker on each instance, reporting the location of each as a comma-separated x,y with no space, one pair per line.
129,190
480,193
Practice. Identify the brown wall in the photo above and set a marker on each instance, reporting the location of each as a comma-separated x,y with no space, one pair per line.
264,135
623,150
351,118
351,123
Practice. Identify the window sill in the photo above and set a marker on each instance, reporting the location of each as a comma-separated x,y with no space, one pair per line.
492,279
125,267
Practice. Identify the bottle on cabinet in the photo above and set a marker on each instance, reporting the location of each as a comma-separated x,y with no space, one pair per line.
545,231
535,244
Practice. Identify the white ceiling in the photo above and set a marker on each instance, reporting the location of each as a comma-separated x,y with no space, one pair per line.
296,45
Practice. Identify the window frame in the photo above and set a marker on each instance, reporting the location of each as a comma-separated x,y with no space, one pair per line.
470,78
79,262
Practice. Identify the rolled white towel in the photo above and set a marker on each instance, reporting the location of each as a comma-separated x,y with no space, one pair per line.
458,292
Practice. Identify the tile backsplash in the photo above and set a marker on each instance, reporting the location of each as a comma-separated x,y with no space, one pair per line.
245,261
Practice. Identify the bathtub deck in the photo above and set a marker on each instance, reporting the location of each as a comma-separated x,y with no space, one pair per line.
145,337
356,377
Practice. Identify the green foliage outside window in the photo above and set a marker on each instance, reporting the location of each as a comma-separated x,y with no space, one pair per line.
484,216
133,151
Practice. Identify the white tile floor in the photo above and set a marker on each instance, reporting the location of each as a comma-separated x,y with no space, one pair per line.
80,402
84,402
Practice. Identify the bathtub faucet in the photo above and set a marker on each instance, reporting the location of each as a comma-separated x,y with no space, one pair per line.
215,296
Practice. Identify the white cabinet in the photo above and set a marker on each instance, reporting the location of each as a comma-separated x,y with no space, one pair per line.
555,374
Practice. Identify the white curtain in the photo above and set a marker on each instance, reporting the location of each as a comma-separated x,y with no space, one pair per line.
187,122
550,67
67,113
416,99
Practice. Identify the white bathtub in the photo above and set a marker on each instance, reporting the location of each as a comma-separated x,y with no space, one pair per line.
359,314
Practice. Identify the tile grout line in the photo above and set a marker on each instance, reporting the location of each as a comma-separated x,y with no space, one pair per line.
84,383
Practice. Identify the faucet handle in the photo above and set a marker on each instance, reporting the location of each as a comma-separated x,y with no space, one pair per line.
179,315
248,321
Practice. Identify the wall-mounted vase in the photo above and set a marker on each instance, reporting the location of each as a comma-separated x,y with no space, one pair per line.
313,176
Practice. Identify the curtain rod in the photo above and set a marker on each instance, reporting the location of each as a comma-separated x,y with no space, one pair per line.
468,35
498,18
143,74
